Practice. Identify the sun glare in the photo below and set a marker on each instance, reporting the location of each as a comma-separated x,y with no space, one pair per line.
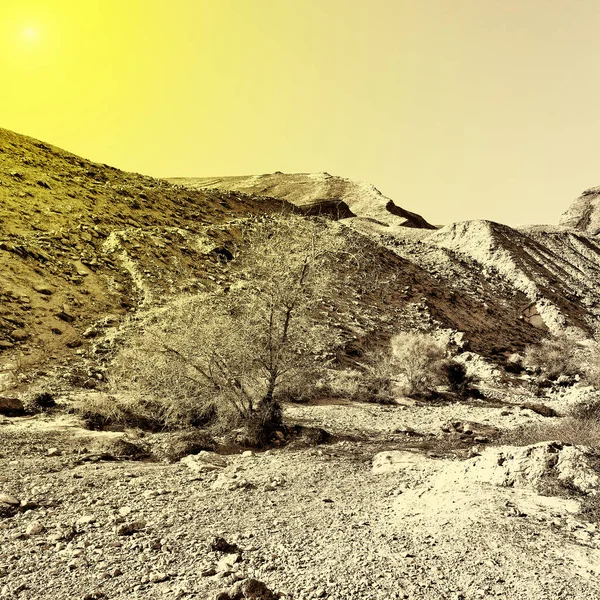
30,34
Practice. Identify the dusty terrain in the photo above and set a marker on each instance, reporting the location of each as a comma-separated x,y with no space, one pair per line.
310,522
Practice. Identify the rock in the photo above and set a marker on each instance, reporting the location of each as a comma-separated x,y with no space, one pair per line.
35,528
65,316
396,460
8,499
471,428
531,466
19,335
44,290
53,452
540,409
251,589
220,544
11,407
204,462
158,577
230,482
247,454
226,563
131,528
86,520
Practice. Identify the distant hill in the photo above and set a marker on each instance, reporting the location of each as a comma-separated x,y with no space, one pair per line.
584,212
318,193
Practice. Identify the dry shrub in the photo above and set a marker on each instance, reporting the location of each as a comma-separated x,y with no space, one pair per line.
457,378
419,361
552,357
413,365
377,383
580,428
339,384
591,367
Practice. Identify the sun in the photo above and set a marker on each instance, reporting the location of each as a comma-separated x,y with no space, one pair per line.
31,34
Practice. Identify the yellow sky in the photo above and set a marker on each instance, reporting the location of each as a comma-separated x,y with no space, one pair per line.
457,109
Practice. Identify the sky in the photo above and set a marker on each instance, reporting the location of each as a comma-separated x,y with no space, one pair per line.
456,109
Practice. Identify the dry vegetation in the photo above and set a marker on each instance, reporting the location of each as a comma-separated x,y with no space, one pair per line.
227,358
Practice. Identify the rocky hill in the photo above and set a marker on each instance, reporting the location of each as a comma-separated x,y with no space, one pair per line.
464,496
558,271
584,213
82,244
318,193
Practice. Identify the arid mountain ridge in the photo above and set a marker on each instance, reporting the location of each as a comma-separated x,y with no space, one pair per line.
556,268
82,245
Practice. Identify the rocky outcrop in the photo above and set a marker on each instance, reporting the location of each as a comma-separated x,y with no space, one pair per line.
584,213
558,271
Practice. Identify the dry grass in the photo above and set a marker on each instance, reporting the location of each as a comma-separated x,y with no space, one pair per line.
570,430
580,428
552,357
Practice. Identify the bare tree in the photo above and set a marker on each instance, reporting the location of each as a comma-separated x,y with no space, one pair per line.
228,354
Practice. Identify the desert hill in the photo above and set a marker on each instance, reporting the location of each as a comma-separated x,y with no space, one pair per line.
557,271
318,193
584,213
84,244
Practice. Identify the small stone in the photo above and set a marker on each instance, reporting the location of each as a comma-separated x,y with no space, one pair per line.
44,290
247,454
8,499
86,520
131,528
19,335
158,577
227,562
35,528
53,452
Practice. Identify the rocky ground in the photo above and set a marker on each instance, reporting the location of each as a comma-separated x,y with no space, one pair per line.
400,505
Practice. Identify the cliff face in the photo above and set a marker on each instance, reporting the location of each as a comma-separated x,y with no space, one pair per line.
584,213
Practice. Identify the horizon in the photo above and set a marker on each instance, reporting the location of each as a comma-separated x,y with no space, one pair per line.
456,112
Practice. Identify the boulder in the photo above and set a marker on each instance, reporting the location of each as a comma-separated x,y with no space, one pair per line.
540,409
11,407
204,462
531,467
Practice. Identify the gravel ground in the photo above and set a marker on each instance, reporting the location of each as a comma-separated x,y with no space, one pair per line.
309,522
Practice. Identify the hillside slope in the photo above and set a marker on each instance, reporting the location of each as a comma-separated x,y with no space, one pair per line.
584,213
318,193
558,271
83,243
